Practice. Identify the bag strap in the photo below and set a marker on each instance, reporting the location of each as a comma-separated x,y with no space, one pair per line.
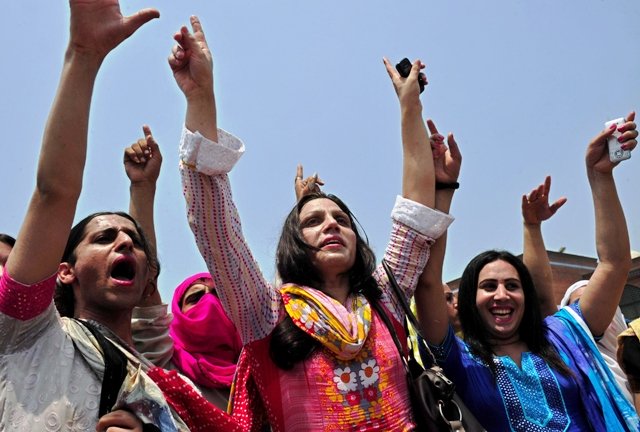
115,369
408,313
392,331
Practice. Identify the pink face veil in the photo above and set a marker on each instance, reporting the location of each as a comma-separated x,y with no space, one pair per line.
206,342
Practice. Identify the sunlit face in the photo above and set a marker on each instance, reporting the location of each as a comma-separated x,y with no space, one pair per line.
5,249
500,300
111,268
325,226
195,292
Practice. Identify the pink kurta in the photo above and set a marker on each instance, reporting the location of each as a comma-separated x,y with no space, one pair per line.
368,392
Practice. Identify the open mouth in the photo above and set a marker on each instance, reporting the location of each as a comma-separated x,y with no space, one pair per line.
124,269
502,314
332,242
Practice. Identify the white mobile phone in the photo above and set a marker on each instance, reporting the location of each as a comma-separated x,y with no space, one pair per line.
616,154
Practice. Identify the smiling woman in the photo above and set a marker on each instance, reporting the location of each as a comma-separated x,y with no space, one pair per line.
536,374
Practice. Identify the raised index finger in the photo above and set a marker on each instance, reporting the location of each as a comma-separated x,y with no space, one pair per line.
454,149
432,127
198,32
146,130
195,24
547,185
393,73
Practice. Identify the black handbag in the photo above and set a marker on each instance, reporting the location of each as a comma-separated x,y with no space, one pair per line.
436,406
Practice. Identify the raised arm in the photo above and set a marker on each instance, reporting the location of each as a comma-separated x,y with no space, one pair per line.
142,163
603,292
535,210
97,26
192,65
415,227
431,305
418,178
207,155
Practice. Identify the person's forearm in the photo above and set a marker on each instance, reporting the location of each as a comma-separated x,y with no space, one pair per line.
141,203
141,208
431,306
536,260
612,237
201,115
65,136
418,178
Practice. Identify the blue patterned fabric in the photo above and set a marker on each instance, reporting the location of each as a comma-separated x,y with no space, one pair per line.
523,389
605,404
534,397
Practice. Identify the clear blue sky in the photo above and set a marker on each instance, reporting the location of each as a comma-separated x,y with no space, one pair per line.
523,84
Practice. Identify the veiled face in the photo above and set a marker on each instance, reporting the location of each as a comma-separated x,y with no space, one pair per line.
195,292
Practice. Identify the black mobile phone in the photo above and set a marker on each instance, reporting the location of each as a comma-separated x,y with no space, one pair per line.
404,69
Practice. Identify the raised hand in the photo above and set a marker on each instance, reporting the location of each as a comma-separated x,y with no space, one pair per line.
446,161
535,205
97,26
304,186
142,160
407,88
597,158
191,61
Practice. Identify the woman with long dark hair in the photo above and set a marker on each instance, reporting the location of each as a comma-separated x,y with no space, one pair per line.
316,356
515,369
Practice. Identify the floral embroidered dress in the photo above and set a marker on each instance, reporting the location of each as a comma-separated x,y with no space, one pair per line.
356,380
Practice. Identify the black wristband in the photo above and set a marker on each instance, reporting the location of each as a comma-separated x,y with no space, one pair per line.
443,185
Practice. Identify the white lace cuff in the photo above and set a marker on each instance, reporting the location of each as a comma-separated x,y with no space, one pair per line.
209,157
427,221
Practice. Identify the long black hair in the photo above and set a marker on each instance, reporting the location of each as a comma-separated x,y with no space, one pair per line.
532,332
290,345
64,299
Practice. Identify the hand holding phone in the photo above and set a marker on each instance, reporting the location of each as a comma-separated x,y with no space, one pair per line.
616,153
404,69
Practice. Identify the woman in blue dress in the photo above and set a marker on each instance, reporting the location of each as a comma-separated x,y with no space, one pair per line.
515,369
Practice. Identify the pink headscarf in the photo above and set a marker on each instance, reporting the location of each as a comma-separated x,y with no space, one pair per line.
206,343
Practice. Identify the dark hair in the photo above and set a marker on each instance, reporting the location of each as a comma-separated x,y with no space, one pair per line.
533,333
7,239
290,345
64,299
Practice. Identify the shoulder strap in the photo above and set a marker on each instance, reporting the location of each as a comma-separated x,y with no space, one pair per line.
408,313
392,331
115,369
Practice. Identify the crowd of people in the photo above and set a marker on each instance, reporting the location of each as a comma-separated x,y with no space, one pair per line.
86,341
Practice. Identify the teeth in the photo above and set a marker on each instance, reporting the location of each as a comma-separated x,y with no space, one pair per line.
501,311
